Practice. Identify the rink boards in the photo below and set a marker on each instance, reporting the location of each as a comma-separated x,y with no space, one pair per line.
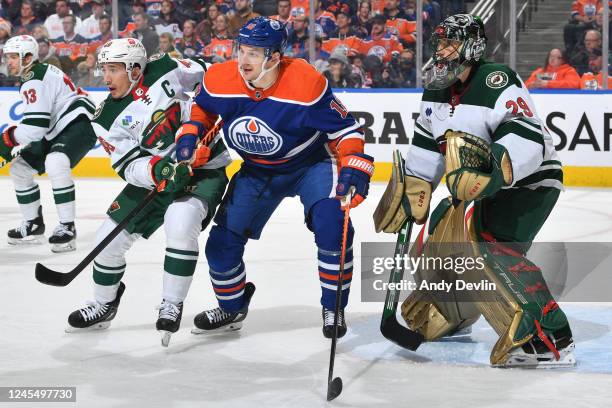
580,123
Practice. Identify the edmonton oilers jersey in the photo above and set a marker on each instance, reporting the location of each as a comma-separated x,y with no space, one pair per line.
284,127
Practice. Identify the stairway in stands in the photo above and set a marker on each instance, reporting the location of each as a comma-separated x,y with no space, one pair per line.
542,33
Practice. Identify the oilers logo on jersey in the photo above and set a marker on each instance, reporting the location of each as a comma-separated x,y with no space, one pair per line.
254,136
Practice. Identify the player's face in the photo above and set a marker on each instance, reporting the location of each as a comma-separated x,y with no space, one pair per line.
116,79
448,49
13,63
250,60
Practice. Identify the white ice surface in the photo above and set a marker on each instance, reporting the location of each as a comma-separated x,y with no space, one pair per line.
280,358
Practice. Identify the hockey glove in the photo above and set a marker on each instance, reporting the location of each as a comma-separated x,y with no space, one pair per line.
187,148
473,184
356,171
7,142
169,176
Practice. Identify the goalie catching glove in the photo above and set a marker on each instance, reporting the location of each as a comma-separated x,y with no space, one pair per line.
187,149
169,176
475,170
7,143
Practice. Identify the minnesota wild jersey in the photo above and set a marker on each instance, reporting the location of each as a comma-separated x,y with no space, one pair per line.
144,122
51,102
495,106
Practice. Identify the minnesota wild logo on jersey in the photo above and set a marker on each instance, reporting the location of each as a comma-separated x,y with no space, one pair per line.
159,133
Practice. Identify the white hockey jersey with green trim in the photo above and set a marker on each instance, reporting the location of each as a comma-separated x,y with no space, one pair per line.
51,102
144,123
496,107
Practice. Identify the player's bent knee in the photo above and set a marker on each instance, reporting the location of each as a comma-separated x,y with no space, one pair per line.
183,221
57,163
326,221
224,249
21,170
114,253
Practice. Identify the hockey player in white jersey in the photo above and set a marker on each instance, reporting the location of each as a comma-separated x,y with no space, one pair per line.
54,135
136,124
478,126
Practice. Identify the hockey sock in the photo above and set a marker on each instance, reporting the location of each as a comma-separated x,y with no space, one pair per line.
329,268
179,266
106,281
229,287
26,189
57,166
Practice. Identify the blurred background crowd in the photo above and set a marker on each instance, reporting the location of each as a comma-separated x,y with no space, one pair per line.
358,44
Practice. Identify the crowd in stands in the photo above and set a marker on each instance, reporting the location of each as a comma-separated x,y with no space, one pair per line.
579,65
369,43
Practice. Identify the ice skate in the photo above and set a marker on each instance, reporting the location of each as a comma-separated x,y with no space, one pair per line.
95,316
63,238
328,323
218,321
30,232
536,354
169,320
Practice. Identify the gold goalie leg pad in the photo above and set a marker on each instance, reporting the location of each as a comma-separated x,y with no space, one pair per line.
436,314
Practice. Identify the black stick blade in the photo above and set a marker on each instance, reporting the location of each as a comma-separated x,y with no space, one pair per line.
51,277
400,335
334,388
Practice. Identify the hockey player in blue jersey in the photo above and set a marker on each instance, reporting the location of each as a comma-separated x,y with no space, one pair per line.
296,138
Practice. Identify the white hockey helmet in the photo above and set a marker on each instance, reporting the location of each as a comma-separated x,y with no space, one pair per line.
22,45
128,51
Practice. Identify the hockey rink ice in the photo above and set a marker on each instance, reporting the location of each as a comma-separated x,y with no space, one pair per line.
279,358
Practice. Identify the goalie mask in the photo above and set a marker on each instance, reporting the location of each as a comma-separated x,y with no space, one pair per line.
457,43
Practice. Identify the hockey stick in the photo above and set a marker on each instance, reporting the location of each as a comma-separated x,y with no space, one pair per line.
334,385
389,326
54,278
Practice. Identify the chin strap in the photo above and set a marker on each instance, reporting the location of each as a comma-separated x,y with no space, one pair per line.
263,72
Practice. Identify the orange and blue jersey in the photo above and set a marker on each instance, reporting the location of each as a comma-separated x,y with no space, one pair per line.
292,124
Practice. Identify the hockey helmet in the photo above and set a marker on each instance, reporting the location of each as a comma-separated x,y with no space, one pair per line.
128,51
22,45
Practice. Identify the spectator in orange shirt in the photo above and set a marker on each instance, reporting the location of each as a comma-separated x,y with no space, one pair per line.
398,24
343,26
556,73
380,43
283,7
594,79
300,7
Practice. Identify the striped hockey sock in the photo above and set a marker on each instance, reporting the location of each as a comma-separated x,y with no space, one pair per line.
64,201
179,266
329,268
106,281
29,201
229,287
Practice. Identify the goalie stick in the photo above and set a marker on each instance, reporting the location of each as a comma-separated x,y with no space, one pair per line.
389,326
55,278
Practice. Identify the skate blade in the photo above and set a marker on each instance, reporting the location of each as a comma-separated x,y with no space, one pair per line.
165,337
567,359
29,240
225,329
97,326
67,247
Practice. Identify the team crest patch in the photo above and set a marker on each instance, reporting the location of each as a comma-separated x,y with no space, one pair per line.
114,207
275,24
254,136
497,79
28,76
